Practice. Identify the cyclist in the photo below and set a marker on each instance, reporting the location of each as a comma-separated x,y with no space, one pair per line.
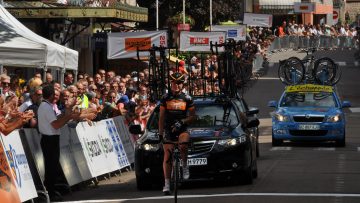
176,111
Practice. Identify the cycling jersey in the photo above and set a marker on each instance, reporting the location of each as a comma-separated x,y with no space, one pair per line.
176,107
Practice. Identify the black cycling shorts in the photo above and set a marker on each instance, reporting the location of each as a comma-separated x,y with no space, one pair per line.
174,136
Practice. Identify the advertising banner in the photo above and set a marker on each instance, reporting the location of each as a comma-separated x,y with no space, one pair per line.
95,155
126,138
117,142
8,192
19,166
236,32
125,44
261,20
68,163
200,41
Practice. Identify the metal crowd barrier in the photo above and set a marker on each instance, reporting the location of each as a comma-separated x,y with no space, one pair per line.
86,152
299,42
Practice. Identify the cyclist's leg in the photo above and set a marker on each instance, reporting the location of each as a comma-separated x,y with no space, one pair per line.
184,137
167,163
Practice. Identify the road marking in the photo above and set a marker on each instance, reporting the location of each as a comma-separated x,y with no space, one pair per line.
358,149
355,110
271,64
356,63
226,195
268,78
341,63
265,122
281,149
325,149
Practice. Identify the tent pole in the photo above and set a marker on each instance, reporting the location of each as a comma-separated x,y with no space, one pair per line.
1,67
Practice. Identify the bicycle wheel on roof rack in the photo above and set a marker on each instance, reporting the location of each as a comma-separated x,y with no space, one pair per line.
291,71
325,71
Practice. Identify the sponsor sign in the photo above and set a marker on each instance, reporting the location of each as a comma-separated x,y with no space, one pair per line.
308,88
8,192
125,44
336,12
99,158
19,167
304,7
117,143
200,41
261,20
237,32
183,27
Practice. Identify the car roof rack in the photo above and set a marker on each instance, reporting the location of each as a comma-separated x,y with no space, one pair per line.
207,84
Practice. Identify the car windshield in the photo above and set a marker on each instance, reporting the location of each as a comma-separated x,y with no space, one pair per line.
308,99
209,115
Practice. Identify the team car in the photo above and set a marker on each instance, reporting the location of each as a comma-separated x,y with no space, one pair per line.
309,112
224,143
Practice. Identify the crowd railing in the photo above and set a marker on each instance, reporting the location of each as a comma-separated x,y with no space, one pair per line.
322,41
86,153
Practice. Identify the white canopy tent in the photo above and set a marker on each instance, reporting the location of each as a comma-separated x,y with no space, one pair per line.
19,46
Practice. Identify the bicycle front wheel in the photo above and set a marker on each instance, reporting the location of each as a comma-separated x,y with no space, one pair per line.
291,71
325,71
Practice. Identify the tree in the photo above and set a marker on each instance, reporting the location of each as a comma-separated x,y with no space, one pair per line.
223,10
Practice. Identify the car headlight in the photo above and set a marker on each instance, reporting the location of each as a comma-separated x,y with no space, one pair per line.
281,118
334,119
233,141
150,147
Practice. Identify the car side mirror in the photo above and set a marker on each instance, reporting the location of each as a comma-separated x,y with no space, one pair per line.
252,111
135,129
346,104
272,103
253,123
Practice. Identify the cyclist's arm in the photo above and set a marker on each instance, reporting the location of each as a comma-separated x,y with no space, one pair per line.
191,116
161,120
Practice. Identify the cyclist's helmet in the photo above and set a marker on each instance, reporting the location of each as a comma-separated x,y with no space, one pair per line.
177,77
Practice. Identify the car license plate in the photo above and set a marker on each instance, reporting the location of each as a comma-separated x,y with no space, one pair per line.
309,127
197,161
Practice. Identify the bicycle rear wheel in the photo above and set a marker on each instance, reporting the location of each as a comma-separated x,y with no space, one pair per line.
325,71
291,71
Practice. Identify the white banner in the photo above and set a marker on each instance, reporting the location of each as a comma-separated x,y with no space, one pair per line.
117,142
99,156
261,20
236,32
125,44
19,166
200,41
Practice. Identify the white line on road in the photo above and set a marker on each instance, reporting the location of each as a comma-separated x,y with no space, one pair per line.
281,149
358,149
268,78
355,110
227,195
325,149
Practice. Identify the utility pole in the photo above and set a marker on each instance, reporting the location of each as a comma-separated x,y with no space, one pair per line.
183,11
157,15
210,15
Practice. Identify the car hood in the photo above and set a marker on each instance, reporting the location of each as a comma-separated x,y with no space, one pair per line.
309,110
208,132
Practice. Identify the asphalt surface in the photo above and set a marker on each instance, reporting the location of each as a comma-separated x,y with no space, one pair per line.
294,172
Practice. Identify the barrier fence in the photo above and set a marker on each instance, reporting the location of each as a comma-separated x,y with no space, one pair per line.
86,152
299,42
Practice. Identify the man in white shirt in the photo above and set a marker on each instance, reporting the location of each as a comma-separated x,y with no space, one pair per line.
49,127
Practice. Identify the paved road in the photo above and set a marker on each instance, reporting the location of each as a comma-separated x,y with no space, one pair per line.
295,172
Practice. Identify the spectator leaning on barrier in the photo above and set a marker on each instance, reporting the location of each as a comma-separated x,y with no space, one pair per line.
49,128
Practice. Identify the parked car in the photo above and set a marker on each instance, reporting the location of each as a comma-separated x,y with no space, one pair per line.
223,143
309,112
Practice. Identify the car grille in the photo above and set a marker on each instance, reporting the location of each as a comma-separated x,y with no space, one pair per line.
308,119
201,147
308,132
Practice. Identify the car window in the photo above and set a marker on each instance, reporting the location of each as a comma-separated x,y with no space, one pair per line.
215,115
209,115
308,99
240,105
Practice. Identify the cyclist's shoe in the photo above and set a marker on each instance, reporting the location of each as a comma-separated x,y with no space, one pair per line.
166,189
186,172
